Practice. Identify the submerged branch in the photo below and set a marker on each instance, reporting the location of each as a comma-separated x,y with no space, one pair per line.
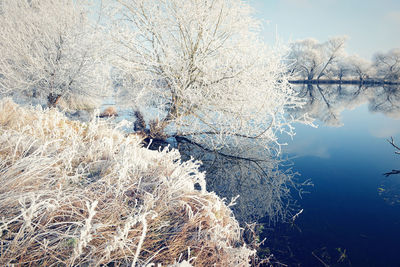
187,140
387,174
391,141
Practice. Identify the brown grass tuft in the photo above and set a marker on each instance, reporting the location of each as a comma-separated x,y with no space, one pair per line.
76,193
109,112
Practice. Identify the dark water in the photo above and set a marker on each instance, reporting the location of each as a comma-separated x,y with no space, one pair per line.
351,216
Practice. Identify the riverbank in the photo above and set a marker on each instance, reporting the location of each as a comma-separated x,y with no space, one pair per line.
356,82
74,193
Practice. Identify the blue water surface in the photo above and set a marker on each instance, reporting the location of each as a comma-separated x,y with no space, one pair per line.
352,207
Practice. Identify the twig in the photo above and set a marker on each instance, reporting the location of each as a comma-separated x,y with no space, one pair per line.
318,258
391,141
297,215
187,140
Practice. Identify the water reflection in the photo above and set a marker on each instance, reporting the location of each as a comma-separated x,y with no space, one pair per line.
327,102
263,183
347,212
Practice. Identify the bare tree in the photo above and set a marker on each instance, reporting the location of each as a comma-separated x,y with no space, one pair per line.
339,70
332,49
306,58
312,59
388,64
360,67
51,49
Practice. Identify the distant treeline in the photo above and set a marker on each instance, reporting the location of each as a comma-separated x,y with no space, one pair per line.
358,82
314,62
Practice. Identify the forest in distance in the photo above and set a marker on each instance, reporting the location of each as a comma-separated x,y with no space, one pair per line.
311,61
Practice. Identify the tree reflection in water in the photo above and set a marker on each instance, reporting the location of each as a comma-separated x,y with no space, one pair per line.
327,102
263,183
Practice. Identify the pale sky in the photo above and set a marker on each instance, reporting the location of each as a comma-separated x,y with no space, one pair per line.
371,25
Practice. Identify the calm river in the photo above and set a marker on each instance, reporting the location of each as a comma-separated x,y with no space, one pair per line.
351,215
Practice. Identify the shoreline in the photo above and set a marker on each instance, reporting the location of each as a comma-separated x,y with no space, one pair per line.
356,82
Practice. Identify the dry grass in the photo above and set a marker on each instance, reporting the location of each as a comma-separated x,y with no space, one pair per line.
76,193
73,102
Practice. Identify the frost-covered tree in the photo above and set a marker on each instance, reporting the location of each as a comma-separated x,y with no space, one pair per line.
339,70
51,49
197,69
306,58
332,50
311,59
388,64
360,67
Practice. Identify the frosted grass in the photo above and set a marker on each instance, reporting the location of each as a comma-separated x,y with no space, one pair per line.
75,193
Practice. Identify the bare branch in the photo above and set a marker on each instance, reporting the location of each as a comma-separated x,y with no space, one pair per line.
391,141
